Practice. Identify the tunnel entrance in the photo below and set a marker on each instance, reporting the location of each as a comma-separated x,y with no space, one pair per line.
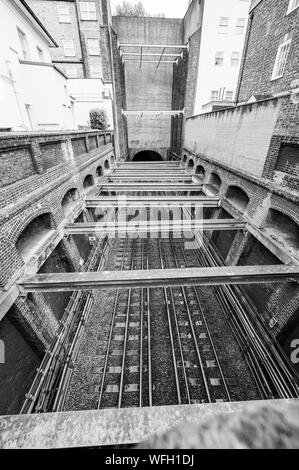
147,156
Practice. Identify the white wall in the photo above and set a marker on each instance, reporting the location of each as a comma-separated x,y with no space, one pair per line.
46,91
211,77
40,87
239,137
88,94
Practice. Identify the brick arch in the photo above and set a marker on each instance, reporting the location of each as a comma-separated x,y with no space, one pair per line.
217,172
239,186
22,224
289,213
190,159
232,182
67,188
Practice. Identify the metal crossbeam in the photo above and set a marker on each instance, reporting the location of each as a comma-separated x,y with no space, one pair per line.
159,278
153,226
151,54
166,112
129,187
148,178
133,61
151,201
141,226
137,173
154,46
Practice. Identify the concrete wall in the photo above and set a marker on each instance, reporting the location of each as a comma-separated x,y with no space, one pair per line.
239,137
148,88
192,20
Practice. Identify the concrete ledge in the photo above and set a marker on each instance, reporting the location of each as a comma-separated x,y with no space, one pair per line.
111,427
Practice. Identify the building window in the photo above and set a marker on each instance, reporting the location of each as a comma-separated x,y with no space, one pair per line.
96,71
69,48
71,71
88,11
63,14
214,95
24,45
281,59
292,5
229,95
93,46
235,59
240,25
219,58
40,54
223,25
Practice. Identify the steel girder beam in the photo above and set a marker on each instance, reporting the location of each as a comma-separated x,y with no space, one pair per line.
156,164
149,187
159,278
149,179
153,226
151,201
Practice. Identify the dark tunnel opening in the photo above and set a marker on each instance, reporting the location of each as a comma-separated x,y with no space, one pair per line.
147,156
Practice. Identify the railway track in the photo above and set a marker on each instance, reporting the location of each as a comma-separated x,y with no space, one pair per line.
160,350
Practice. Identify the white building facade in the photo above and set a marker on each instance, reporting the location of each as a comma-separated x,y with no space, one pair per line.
223,30
76,26
34,95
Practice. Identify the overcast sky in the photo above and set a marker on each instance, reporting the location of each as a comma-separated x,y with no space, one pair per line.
171,8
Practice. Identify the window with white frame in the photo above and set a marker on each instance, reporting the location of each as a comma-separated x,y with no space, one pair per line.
281,59
96,71
93,46
24,45
292,5
69,48
229,95
63,14
223,25
219,57
214,95
88,11
71,71
235,59
240,25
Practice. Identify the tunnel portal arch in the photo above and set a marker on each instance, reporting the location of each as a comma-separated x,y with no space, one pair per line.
147,156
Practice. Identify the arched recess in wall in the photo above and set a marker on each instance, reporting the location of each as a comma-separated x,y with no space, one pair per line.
88,181
184,158
34,235
283,229
147,156
69,200
237,197
190,165
215,181
107,165
200,172
99,171
112,159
